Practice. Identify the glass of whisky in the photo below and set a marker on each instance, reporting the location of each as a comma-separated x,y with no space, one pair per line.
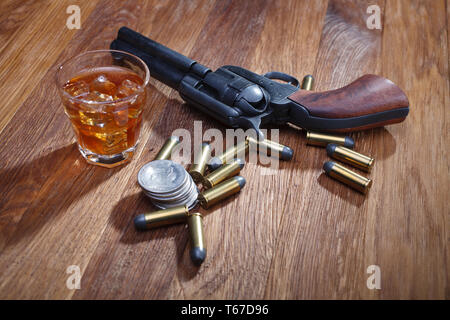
104,93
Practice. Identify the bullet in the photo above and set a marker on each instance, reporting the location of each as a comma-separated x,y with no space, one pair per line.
166,150
221,191
348,177
161,218
231,153
351,157
308,82
323,139
223,172
198,247
273,148
197,170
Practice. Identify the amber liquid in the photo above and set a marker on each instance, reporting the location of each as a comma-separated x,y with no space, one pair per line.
111,126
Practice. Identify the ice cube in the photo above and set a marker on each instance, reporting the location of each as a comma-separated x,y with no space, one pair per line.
126,88
122,93
76,89
113,142
103,85
121,117
134,112
127,83
93,119
98,97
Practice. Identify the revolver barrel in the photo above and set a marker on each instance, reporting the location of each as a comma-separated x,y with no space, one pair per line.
161,52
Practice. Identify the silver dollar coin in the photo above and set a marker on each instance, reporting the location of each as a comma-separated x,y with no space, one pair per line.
161,176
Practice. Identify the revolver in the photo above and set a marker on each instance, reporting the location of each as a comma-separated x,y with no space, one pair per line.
240,98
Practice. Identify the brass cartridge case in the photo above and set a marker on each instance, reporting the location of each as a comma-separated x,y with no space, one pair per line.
307,82
197,169
221,191
273,148
161,218
224,172
198,246
231,153
348,177
351,157
166,150
323,139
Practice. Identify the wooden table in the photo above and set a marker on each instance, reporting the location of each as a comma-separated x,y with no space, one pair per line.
294,235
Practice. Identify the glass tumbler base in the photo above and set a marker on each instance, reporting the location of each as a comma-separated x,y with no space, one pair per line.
107,161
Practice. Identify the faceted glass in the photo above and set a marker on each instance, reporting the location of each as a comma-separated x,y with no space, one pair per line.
104,93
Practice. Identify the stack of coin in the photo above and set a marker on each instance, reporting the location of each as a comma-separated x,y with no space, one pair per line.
168,184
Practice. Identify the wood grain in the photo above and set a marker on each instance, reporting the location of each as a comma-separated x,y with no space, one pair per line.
417,225
40,34
366,95
293,235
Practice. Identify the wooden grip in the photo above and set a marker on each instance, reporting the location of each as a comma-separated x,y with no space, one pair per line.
367,95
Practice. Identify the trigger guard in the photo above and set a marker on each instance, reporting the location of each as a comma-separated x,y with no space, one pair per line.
283,77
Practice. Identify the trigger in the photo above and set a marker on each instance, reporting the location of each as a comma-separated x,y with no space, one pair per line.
283,77
252,123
